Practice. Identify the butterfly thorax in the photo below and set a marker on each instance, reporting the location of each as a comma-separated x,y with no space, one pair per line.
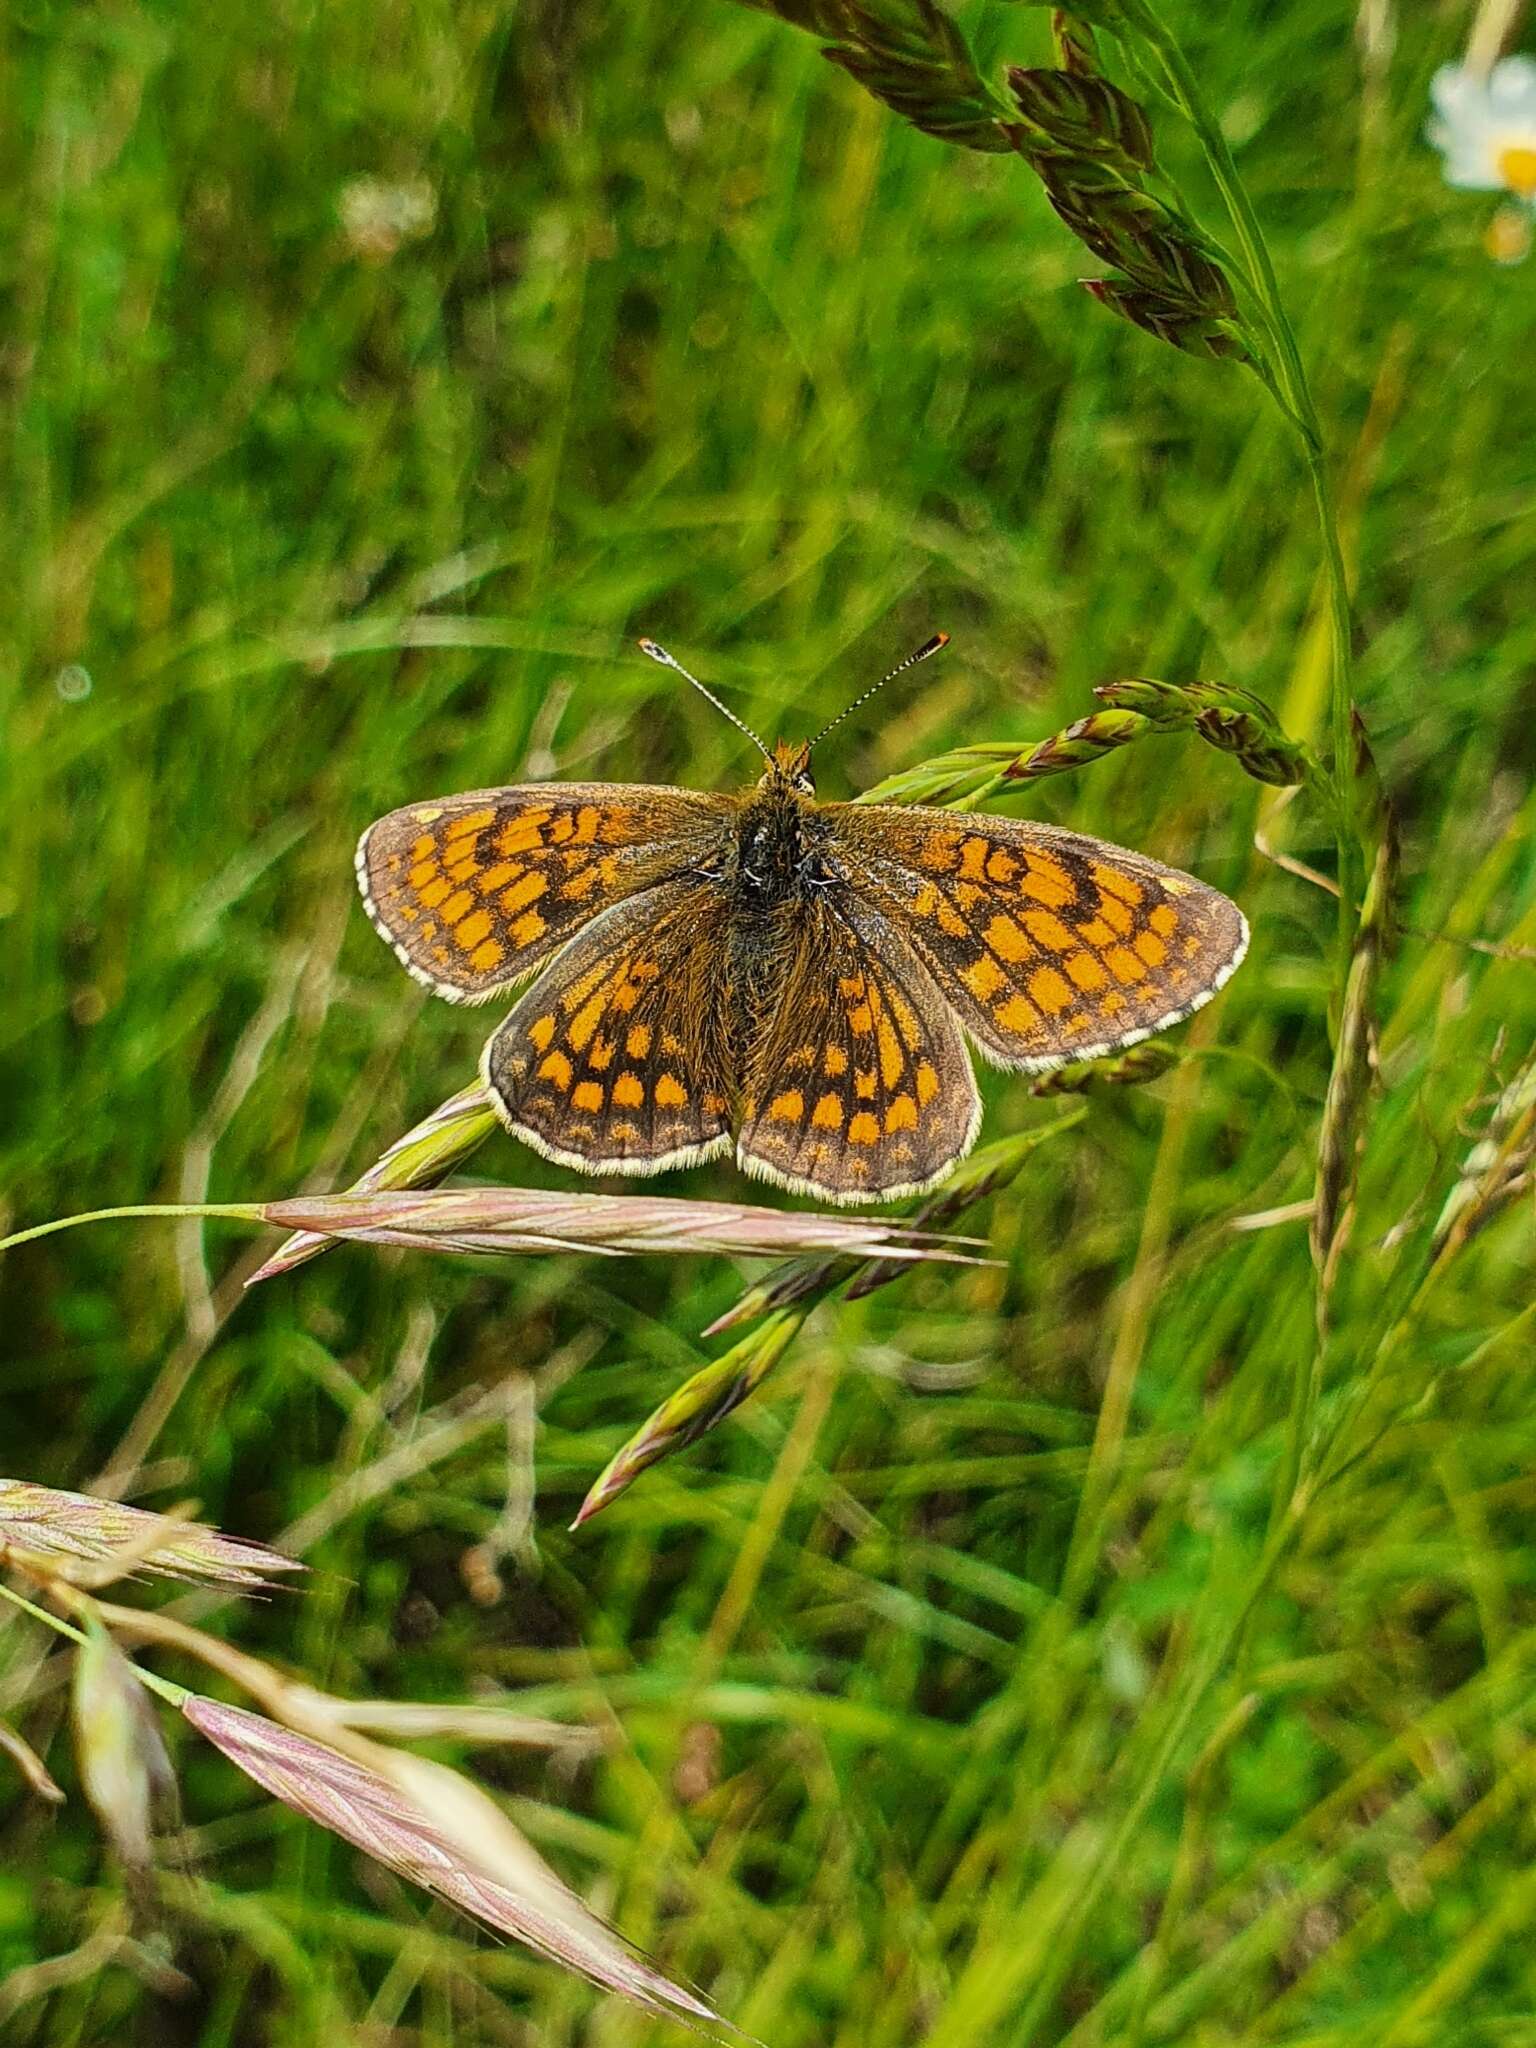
778,852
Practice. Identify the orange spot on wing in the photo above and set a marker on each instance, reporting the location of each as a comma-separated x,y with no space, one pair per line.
1085,972
486,957
1124,965
670,1092
1049,991
939,852
864,1083
587,1095
901,1114
471,822
927,1082
1018,1016
528,888
557,1068
788,1108
863,1129
1150,947
1047,881
423,872
1007,940
586,1021
1164,920
600,1053
1049,930
456,906
984,978
541,1031
892,1058
1116,916
529,926
973,860
434,892
1001,866
628,1091
638,1043
1114,882
933,905
834,1061
828,1113
472,930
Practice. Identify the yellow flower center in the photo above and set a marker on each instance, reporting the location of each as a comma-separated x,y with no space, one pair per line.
1517,167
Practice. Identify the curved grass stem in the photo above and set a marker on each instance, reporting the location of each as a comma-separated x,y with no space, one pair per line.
243,1212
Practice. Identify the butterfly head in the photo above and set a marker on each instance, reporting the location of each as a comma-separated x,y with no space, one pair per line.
790,767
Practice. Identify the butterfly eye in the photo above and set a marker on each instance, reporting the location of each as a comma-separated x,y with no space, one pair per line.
804,783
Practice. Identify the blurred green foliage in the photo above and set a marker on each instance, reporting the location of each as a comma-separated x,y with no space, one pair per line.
373,376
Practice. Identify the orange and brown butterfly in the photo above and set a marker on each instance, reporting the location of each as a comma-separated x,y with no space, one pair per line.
764,972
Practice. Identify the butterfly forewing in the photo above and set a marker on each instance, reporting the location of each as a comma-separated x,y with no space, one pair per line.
1049,946
474,891
620,1058
857,1085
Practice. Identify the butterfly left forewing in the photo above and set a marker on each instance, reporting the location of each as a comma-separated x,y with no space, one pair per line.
474,891
1049,945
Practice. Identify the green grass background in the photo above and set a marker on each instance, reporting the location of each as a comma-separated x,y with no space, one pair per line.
908,1745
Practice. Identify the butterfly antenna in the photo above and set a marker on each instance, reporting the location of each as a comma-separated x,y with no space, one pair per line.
670,661
922,653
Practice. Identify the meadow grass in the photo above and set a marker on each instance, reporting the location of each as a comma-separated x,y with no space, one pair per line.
958,1690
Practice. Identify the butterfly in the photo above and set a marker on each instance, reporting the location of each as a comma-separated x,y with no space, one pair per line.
764,972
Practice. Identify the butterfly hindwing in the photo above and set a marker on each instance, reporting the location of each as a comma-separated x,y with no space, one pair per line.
1050,946
619,1058
474,891
857,1084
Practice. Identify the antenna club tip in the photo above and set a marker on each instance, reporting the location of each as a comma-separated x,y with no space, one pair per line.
940,640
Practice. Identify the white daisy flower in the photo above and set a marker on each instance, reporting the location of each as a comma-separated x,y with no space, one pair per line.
1485,126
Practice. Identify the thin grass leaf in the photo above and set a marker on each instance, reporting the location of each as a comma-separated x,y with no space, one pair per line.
30,1765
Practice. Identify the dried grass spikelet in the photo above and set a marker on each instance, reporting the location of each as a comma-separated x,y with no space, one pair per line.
1227,717
425,1821
427,1154
784,1299
124,1768
694,1409
910,55
1141,1064
1498,1169
1349,1082
533,1220
432,1827
87,1541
